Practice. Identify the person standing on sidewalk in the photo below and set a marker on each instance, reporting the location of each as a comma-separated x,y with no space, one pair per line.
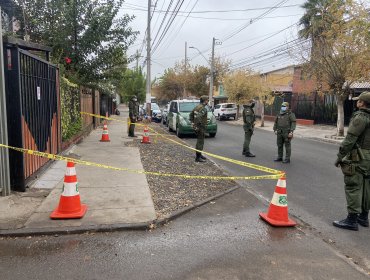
133,107
354,160
198,117
284,126
249,119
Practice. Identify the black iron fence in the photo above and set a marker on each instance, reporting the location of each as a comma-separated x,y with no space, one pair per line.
33,109
320,108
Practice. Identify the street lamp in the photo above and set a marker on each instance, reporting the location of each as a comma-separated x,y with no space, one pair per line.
214,42
192,47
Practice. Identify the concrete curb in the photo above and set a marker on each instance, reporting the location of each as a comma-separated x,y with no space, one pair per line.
22,232
183,211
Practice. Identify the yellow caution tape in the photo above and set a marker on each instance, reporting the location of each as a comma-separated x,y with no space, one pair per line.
89,163
237,162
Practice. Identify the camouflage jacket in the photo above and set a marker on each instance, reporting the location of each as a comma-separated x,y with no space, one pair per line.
358,133
200,116
249,117
285,121
133,108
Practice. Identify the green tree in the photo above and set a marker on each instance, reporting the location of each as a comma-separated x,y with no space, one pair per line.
132,83
244,85
340,53
87,31
170,85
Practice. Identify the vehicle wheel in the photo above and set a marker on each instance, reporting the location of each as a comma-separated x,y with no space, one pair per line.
219,117
169,129
212,135
234,117
178,132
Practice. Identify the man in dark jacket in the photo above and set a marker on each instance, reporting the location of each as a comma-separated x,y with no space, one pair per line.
133,107
354,159
285,124
248,119
199,119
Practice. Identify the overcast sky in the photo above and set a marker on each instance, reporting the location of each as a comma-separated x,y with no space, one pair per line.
251,33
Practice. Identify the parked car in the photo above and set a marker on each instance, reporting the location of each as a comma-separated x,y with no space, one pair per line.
156,112
225,111
178,118
165,113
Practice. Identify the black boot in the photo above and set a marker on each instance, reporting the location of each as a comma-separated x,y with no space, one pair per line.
363,219
348,223
243,153
202,157
198,158
249,154
278,159
287,160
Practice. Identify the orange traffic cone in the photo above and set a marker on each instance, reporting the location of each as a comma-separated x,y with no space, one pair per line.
277,214
70,206
105,135
146,136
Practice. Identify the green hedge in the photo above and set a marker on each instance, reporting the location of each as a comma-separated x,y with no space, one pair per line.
70,109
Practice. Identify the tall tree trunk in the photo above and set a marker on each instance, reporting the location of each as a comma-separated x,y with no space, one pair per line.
340,120
263,114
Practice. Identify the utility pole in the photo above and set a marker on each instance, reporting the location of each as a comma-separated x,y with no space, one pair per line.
148,64
186,60
212,70
4,152
137,60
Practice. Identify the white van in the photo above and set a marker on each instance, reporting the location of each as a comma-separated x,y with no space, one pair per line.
225,111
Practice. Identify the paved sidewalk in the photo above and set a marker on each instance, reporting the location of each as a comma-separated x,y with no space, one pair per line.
324,133
115,199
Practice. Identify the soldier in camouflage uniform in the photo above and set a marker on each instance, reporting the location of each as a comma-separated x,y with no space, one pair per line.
133,107
284,126
248,119
354,159
199,119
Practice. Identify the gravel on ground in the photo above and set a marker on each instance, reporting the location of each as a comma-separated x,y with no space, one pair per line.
171,194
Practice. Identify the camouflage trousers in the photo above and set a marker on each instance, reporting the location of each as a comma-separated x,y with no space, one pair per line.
357,188
248,132
200,139
131,130
281,141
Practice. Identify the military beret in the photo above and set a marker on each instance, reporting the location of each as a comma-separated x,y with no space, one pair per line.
365,96
285,104
204,97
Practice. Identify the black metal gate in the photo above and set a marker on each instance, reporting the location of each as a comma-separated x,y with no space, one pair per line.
33,109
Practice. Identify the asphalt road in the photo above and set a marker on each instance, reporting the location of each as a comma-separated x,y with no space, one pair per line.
315,187
223,239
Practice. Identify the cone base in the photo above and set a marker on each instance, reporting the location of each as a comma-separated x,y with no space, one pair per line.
289,223
103,140
75,215
145,142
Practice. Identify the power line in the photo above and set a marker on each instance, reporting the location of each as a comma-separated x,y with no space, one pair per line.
142,8
237,19
241,28
179,29
276,33
168,25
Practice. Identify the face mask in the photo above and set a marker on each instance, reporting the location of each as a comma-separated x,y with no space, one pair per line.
252,104
135,99
283,109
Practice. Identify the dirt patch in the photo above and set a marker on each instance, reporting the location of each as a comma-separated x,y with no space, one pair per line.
171,194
